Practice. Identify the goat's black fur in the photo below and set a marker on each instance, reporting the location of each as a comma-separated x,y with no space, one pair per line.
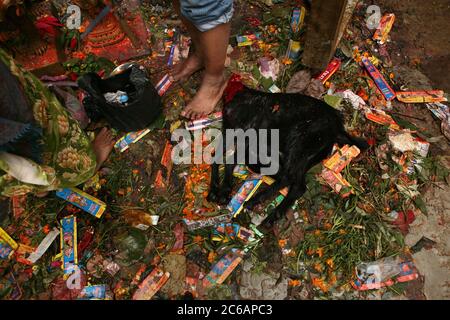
308,129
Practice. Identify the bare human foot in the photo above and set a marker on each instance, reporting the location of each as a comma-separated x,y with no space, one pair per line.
182,71
207,97
103,145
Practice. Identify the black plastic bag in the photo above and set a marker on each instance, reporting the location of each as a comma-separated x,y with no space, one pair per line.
144,104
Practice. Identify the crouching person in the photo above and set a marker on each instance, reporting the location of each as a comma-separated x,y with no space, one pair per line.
42,148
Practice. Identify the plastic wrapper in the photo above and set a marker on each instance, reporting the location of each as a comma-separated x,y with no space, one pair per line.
151,285
244,193
83,201
223,268
381,83
383,273
385,26
429,96
69,244
7,245
332,67
124,143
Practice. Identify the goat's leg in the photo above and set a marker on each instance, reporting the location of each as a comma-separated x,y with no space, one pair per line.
215,183
266,194
295,192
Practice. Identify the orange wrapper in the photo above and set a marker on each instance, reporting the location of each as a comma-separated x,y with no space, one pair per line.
385,26
336,181
151,285
421,96
381,117
340,159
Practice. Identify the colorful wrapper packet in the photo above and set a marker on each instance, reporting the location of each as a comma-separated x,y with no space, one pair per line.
337,182
293,50
151,285
381,117
340,159
43,246
382,33
208,222
21,253
95,292
244,193
439,110
18,204
242,173
406,272
204,122
381,83
124,143
166,161
69,244
298,17
171,55
428,96
7,245
247,40
83,201
223,268
332,67
232,230
163,85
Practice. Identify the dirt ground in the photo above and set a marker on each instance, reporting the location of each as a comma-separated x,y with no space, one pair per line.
420,48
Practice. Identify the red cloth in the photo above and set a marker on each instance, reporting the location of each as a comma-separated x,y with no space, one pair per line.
234,86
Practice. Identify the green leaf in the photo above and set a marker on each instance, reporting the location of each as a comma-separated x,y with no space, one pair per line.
420,204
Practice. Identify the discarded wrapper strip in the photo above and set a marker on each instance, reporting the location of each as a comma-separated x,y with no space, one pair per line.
132,137
298,17
223,268
18,204
293,50
429,96
151,285
163,85
7,245
69,244
171,55
385,26
439,110
244,193
407,272
332,67
340,159
233,230
381,83
204,122
247,40
203,223
242,173
95,292
83,201
381,117
336,181
43,246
